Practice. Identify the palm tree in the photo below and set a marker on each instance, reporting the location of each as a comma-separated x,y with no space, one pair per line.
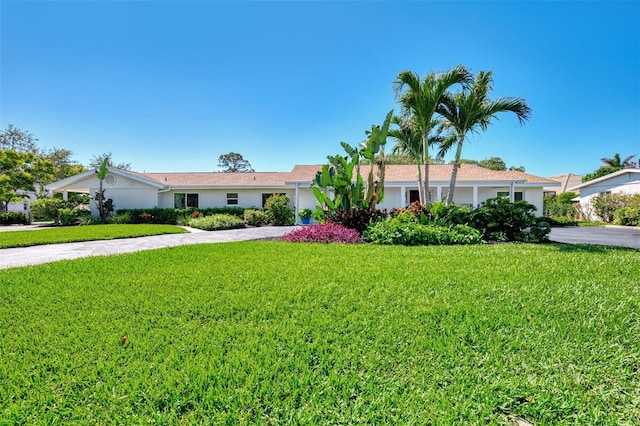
419,99
617,162
408,138
471,111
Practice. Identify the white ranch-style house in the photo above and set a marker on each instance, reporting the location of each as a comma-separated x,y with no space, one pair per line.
625,181
133,190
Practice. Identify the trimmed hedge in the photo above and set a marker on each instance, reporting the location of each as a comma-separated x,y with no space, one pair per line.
14,218
216,222
172,216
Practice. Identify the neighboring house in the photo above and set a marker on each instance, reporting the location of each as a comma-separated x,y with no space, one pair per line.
567,180
625,181
24,205
216,189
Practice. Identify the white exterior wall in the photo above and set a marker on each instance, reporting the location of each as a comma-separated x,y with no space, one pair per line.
391,199
535,197
126,193
247,198
624,184
306,199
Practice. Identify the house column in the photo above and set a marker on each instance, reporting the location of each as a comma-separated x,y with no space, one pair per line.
65,195
475,196
512,192
297,203
403,197
438,193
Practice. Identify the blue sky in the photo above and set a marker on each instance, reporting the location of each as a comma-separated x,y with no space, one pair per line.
172,85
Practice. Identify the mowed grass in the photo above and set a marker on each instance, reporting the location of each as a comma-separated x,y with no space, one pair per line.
68,234
281,333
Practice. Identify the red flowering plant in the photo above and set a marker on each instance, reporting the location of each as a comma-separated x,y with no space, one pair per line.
323,233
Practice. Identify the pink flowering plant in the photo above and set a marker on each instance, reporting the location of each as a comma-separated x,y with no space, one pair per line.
323,233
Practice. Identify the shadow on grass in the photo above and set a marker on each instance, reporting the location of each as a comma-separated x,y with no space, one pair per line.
588,248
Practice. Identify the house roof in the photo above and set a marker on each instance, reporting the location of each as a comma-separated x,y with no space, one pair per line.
567,180
90,173
396,173
437,173
218,178
605,178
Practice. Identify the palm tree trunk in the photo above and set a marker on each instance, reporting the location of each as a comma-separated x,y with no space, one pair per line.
454,172
425,153
420,196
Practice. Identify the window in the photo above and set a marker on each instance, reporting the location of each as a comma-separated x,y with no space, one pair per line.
414,195
516,195
192,200
232,198
181,200
604,193
25,206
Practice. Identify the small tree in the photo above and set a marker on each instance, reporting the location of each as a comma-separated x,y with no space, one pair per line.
15,176
105,206
234,163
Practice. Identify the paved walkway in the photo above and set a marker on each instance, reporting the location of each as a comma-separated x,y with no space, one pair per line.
622,236
49,253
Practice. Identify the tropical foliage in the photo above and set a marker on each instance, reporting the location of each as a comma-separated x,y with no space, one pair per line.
498,219
339,186
610,165
472,111
419,99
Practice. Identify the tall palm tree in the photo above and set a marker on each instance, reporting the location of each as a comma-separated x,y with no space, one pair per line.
617,161
471,111
419,99
408,137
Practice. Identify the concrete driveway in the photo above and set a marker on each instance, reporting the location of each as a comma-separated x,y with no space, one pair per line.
24,256
621,236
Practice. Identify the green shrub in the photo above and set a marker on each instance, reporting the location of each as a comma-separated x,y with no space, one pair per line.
498,219
254,217
14,218
86,218
358,219
68,217
437,213
628,216
46,208
216,222
121,219
449,214
560,205
277,210
404,230
604,206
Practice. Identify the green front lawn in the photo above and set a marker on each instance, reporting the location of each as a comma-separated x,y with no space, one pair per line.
280,333
68,234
